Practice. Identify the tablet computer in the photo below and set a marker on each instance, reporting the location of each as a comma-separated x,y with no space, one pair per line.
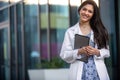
81,41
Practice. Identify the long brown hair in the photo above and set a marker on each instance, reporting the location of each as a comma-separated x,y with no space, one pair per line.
100,32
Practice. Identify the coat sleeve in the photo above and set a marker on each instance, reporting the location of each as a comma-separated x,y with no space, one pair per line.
104,53
68,53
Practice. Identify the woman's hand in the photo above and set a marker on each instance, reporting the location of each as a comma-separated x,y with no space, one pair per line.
83,51
92,51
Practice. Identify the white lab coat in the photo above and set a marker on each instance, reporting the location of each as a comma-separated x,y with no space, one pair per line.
69,55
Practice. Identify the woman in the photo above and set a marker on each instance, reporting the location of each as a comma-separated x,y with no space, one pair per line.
89,25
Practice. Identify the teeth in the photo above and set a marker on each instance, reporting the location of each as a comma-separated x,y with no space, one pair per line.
84,16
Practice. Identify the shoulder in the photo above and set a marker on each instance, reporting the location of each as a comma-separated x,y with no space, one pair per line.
72,29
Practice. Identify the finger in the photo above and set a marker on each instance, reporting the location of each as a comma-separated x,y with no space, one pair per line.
90,52
83,48
89,47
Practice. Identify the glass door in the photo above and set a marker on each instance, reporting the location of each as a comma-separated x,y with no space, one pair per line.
4,53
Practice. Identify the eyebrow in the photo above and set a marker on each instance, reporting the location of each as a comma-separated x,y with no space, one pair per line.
86,9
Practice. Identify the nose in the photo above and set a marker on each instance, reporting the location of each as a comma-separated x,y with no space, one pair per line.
86,12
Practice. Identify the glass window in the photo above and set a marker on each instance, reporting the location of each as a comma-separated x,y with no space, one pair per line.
19,30
13,41
31,34
4,15
44,26
59,22
4,3
74,15
4,54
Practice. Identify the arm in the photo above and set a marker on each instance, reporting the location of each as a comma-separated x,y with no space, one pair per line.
68,53
104,53
99,53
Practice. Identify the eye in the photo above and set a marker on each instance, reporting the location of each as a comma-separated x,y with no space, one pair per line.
90,11
84,9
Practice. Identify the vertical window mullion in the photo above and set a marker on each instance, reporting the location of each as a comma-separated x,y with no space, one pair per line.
38,26
16,46
48,31
23,47
9,44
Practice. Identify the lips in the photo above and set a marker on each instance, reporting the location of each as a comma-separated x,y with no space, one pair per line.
84,16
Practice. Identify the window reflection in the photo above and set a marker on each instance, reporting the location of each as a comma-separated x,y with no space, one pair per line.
4,15
3,3
13,43
59,22
19,40
44,25
4,54
31,34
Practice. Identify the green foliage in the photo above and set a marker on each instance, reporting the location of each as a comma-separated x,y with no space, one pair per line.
53,63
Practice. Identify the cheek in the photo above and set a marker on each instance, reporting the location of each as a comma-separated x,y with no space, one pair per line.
91,15
81,13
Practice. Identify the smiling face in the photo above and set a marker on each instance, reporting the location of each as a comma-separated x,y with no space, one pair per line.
86,13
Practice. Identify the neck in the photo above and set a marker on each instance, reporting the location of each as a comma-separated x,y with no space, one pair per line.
84,24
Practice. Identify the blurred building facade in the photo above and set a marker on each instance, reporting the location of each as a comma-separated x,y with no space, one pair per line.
32,31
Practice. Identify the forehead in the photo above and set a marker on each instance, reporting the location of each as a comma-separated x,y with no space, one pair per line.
88,6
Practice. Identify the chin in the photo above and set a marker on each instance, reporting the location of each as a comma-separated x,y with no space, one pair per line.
84,21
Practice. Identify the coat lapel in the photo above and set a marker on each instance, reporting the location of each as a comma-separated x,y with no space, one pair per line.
78,31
